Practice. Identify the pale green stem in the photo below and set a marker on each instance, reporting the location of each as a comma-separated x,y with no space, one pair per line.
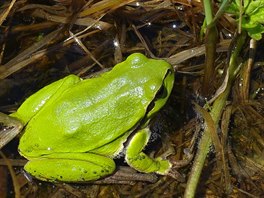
208,11
217,108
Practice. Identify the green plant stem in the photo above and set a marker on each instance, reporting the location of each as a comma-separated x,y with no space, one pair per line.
208,11
216,111
210,55
210,40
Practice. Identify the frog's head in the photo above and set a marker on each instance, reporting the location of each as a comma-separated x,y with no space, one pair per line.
163,93
161,76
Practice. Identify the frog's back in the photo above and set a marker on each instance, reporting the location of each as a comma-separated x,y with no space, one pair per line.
96,111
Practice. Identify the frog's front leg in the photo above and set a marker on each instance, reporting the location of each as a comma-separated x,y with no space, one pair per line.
70,167
139,160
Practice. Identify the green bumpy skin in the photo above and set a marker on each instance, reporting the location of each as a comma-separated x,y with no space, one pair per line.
74,127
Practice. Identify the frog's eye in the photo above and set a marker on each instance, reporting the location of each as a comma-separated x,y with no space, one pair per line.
162,93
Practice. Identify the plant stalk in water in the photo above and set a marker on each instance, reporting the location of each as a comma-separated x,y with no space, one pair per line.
216,111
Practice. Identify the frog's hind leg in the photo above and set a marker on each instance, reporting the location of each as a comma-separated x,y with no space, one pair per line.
139,160
74,167
48,94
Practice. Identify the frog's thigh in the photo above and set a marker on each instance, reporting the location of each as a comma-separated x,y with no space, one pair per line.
74,167
139,160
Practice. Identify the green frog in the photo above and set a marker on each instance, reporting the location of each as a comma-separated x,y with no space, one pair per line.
74,128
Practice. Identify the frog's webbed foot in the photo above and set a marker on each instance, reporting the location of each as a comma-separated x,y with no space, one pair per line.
138,160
